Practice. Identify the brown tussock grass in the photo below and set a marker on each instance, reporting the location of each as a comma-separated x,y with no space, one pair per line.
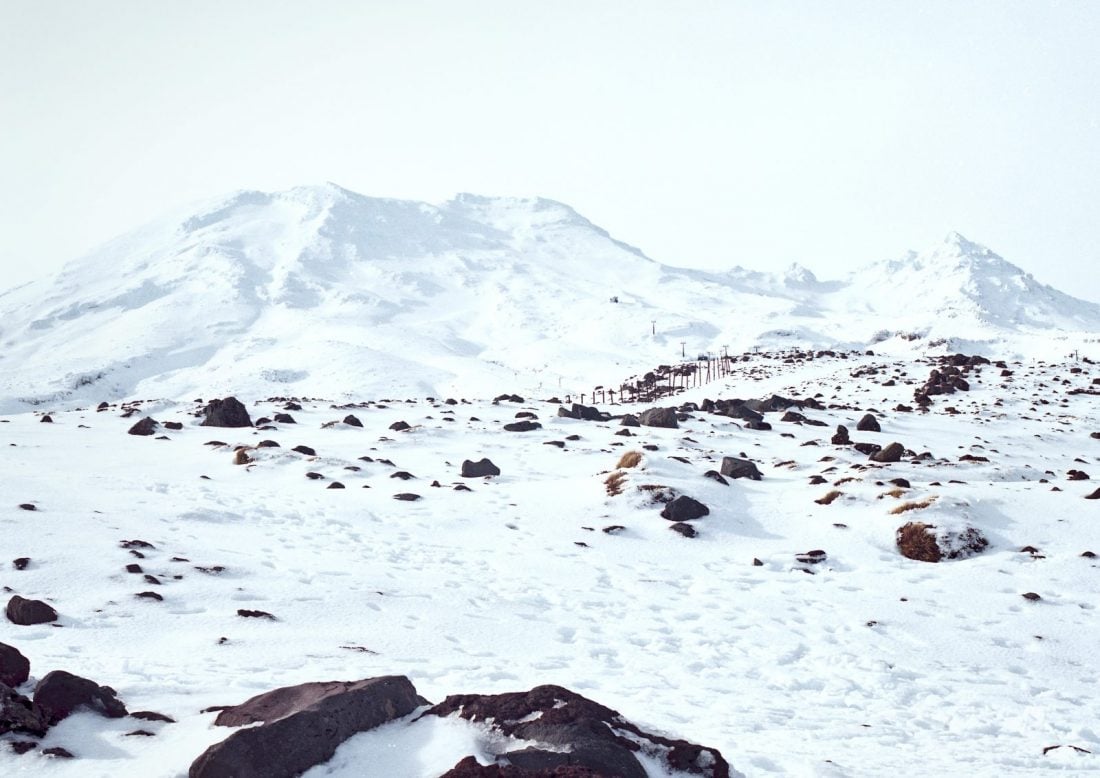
916,505
241,457
629,459
828,498
842,481
614,483
896,492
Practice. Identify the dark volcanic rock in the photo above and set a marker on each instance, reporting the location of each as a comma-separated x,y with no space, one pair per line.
146,426
868,424
352,421
479,469
226,413
684,508
60,693
19,714
891,453
735,467
684,529
841,437
400,426
574,733
522,426
27,612
15,668
582,412
302,726
659,417
284,418
309,452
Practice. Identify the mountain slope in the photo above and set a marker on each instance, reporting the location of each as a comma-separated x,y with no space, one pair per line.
322,291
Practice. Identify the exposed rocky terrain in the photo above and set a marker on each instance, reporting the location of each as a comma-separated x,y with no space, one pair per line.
824,563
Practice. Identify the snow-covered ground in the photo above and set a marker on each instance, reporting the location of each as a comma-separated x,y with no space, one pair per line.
873,664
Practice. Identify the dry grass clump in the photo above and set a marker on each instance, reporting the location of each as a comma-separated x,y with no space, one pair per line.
915,505
614,483
917,541
828,498
842,481
895,492
630,459
241,457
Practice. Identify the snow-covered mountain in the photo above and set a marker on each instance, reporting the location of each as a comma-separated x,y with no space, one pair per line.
322,291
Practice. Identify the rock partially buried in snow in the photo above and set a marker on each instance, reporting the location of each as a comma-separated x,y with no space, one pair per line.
19,714
522,426
146,426
229,412
483,467
15,668
659,417
868,424
684,508
573,734
302,726
59,694
735,467
891,453
26,612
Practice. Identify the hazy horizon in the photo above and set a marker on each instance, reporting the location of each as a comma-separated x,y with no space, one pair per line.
708,135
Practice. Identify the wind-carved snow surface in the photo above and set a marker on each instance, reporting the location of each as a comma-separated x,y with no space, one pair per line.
327,292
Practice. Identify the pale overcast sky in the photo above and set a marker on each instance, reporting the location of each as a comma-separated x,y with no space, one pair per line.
708,134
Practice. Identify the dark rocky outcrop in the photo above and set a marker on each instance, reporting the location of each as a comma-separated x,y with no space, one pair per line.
28,612
575,735
735,467
891,453
228,412
146,426
15,668
19,714
583,413
868,424
684,529
684,508
479,469
841,437
352,421
60,693
659,417
302,726
522,426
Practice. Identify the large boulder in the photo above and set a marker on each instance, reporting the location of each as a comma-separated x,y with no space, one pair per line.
570,735
659,417
684,508
582,412
59,694
868,424
15,668
523,425
892,453
19,714
483,467
28,612
147,426
929,543
735,467
228,412
302,726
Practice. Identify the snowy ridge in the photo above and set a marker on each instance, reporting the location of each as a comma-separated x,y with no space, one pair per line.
328,292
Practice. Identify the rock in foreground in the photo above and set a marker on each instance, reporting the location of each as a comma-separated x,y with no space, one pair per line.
576,737
302,726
